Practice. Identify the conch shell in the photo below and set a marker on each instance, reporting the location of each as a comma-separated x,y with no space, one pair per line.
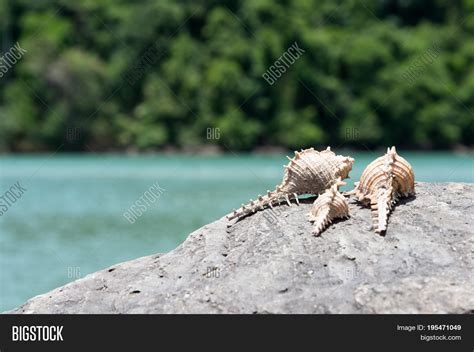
308,172
382,183
327,207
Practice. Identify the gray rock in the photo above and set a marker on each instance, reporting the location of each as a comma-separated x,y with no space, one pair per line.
270,263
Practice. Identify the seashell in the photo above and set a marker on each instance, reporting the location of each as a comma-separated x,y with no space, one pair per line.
308,172
327,207
382,183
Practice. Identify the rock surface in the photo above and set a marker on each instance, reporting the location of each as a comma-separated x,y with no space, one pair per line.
270,263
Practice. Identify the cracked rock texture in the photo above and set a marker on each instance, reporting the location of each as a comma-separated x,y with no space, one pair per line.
270,263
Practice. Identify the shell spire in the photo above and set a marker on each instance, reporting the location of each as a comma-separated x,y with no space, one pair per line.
308,172
382,183
327,207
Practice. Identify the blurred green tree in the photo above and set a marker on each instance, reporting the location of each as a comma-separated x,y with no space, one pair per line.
151,74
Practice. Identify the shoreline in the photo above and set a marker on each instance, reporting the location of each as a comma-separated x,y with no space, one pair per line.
273,151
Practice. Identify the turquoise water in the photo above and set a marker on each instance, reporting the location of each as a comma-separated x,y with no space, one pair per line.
69,221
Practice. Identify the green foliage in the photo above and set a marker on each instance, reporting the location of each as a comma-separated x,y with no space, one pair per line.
150,74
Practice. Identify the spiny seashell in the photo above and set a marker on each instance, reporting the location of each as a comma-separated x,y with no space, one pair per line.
308,172
382,183
327,207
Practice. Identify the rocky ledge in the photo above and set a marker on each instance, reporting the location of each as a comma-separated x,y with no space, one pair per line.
270,263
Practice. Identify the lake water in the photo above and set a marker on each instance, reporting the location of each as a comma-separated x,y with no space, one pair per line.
69,221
